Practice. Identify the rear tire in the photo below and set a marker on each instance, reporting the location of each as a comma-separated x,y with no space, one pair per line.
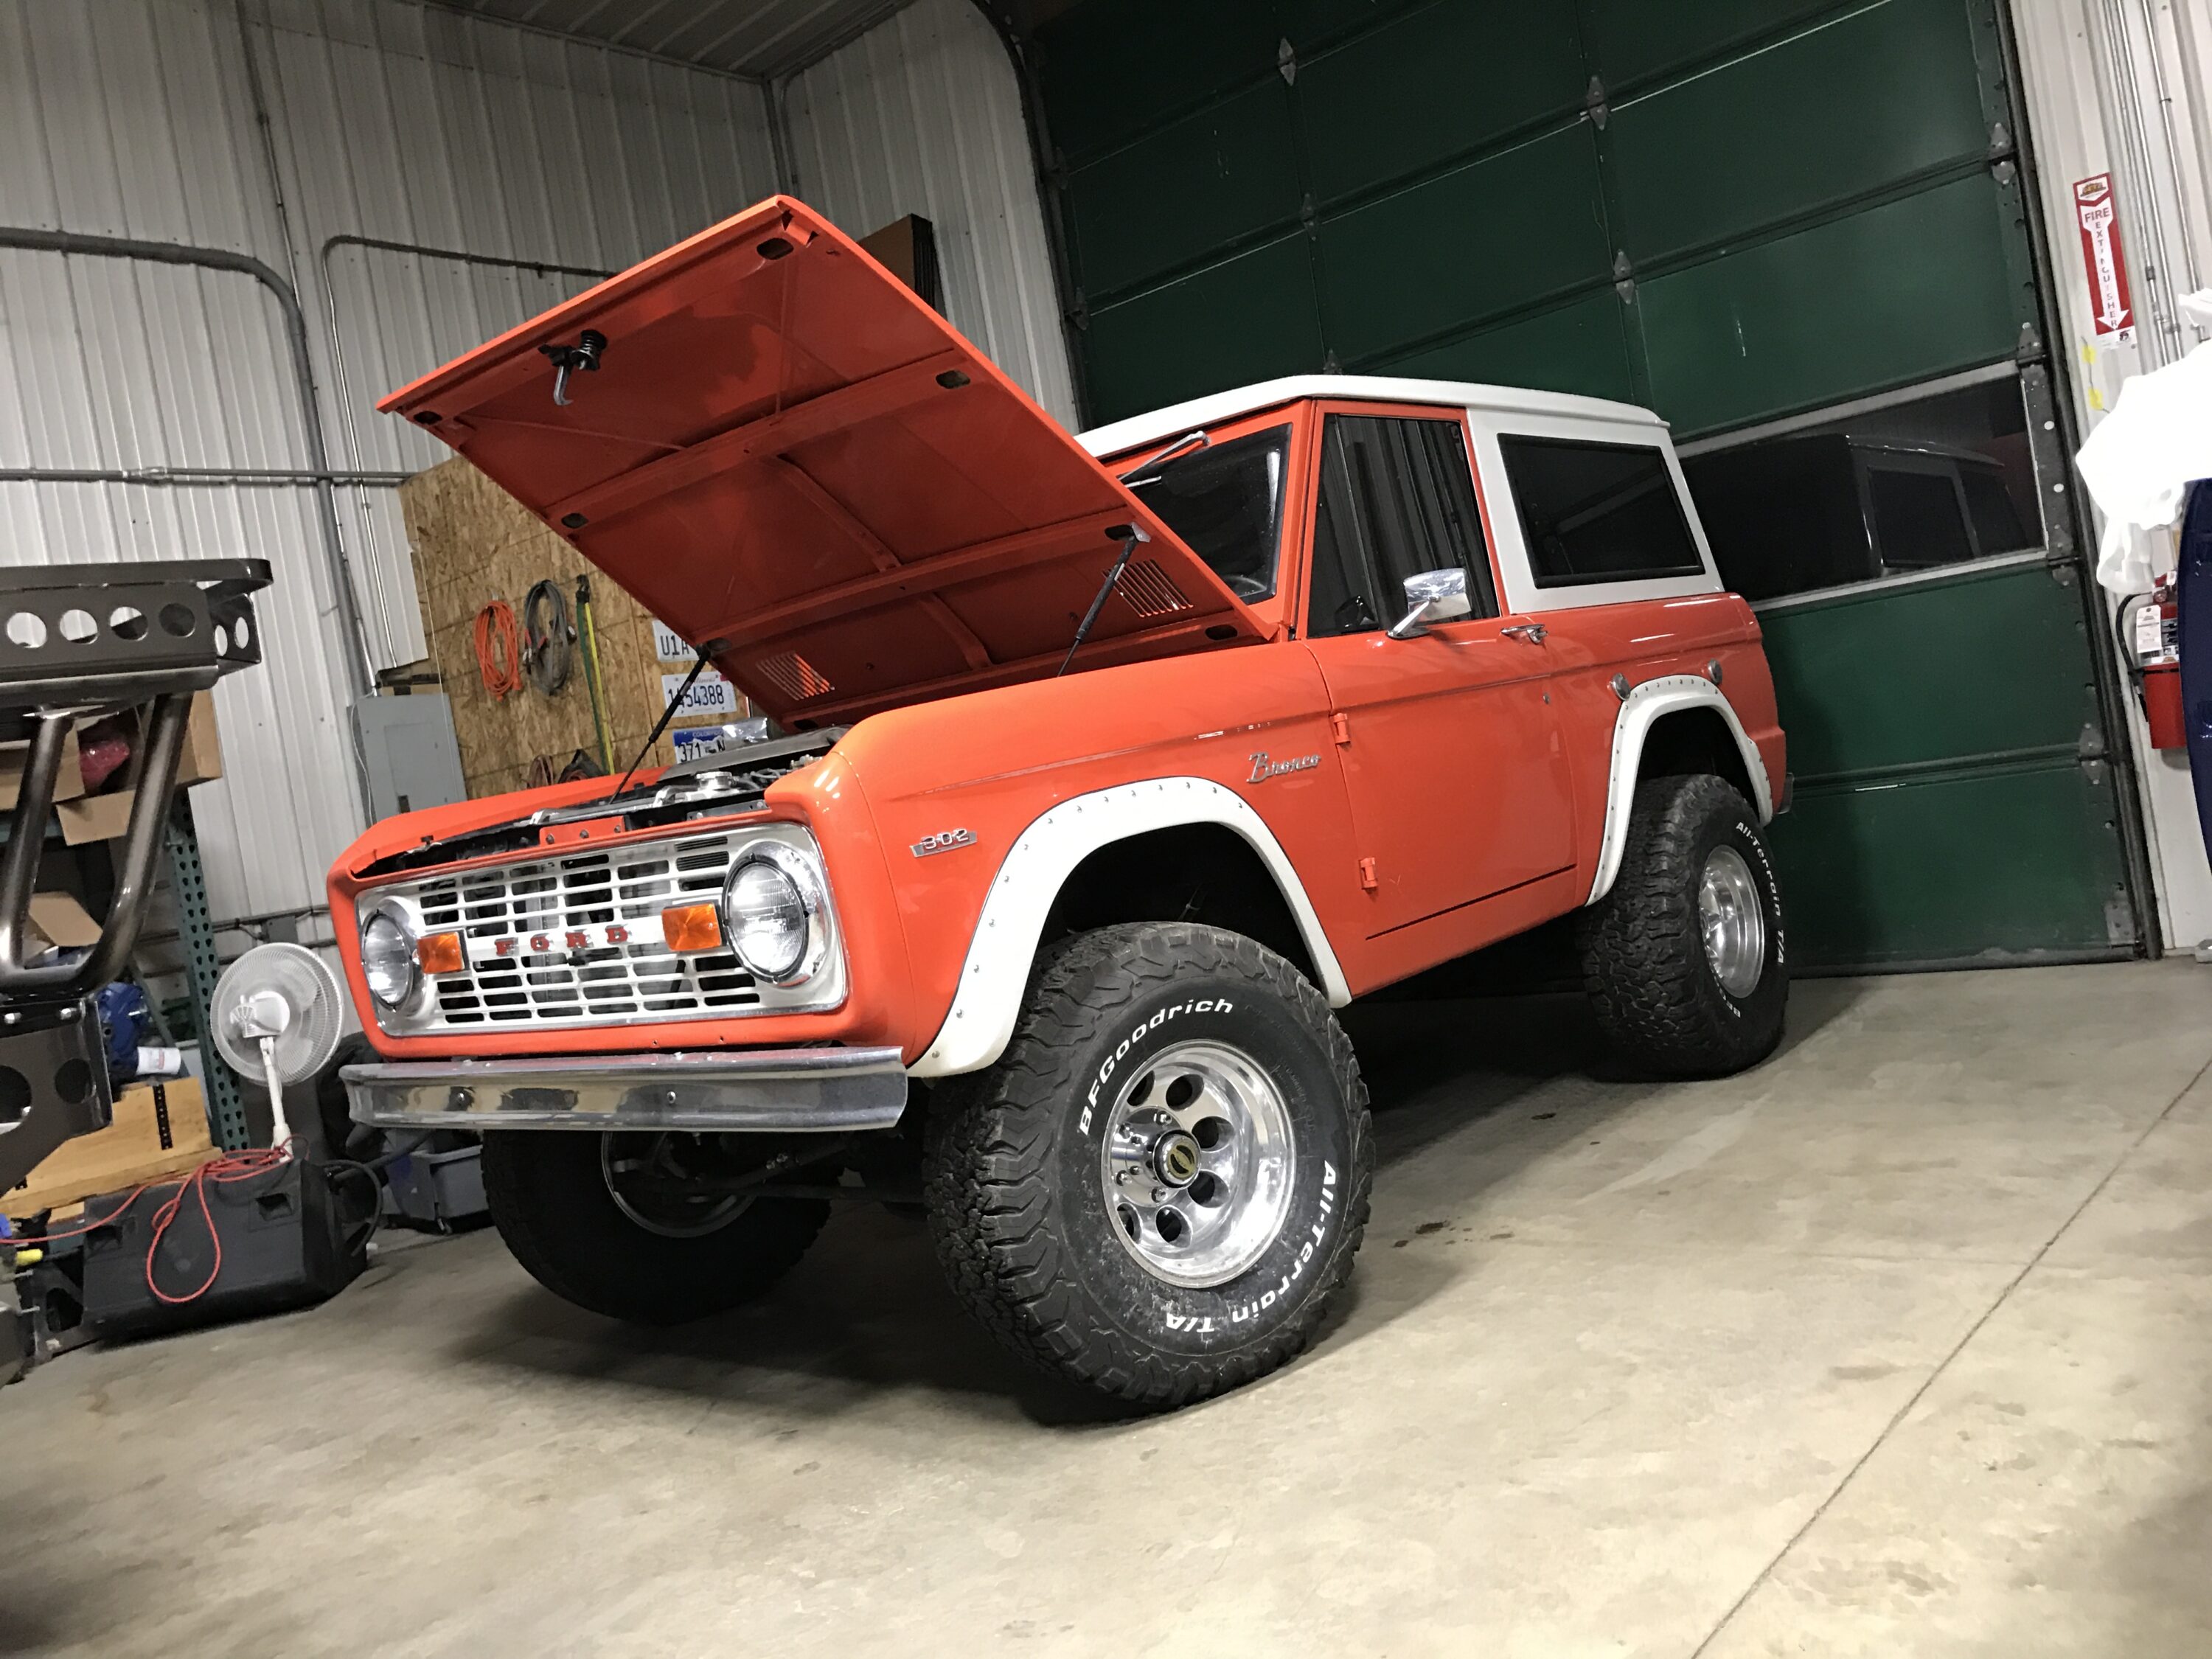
1159,1188
552,1200
1685,961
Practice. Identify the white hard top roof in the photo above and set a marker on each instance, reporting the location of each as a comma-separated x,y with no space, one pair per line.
1163,424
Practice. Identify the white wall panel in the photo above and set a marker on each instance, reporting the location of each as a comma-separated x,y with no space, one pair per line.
922,115
2120,86
409,124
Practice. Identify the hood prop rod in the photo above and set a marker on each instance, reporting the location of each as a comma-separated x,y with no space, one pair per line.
1129,535
667,715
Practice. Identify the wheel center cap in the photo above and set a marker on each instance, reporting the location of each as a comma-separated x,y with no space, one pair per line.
1175,1158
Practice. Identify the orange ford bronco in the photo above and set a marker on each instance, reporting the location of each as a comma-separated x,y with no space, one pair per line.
1110,767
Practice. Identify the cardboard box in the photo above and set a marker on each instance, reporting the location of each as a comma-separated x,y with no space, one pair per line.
58,920
129,1152
907,249
69,782
104,817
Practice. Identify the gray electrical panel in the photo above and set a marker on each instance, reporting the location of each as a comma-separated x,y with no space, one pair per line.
412,758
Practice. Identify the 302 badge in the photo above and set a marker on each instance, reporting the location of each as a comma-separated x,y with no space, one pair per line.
944,840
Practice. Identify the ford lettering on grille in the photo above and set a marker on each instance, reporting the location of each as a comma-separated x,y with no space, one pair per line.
575,939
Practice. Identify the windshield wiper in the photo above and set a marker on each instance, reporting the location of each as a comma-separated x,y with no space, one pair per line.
1189,443
1130,535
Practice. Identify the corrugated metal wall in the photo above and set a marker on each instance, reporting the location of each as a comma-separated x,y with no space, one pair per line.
923,114
402,123
2124,87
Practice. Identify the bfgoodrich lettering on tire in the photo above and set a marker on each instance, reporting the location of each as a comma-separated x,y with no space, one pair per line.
1161,1185
1684,959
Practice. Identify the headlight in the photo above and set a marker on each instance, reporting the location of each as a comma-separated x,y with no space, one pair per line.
773,912
387,956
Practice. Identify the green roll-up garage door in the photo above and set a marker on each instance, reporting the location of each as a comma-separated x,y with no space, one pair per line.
1735,211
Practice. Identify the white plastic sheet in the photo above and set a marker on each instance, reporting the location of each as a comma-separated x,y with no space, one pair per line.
2140,461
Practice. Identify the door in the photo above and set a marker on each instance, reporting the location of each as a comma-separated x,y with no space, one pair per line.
1449,743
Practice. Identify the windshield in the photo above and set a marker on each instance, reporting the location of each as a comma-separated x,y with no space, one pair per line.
1225,502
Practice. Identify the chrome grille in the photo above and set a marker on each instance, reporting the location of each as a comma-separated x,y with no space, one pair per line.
628,982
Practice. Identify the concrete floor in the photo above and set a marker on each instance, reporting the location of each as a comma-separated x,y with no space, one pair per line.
1898,1346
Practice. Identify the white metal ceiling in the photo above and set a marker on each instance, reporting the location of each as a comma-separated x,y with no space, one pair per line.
759,38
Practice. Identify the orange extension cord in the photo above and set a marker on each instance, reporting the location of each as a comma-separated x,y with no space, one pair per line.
498,649
232,1167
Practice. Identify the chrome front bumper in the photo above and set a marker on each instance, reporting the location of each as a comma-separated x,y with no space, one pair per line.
771,1088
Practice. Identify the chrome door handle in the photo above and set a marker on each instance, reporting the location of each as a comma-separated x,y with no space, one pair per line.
1531,632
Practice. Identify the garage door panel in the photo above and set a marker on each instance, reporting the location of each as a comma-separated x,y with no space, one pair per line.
1876,98
1212,179
1109,72
1438,83
1898,294
1479,242
1993,865
1248,319
1945,669
1632,41
1580,347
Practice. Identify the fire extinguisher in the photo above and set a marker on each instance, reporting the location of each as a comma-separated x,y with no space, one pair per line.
2149,627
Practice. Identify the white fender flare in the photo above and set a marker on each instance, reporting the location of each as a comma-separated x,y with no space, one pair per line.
996,973
1643,708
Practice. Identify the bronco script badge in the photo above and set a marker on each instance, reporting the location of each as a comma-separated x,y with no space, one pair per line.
1263,768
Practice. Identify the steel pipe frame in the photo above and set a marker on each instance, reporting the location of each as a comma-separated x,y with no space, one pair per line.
134,881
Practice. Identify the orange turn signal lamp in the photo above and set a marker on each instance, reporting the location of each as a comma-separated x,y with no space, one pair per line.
441,953
691,927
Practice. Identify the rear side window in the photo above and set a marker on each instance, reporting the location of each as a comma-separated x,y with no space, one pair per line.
1917,520
1598,513
1396,498
1997,527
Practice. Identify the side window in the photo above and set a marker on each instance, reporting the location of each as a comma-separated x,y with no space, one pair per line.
1396,497
1598,513
1919,523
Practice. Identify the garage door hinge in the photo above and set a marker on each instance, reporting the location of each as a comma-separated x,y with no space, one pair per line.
1595,106
2000,142
1367,874
1341,725
1286,63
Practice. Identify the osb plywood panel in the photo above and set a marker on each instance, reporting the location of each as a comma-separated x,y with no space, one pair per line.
473,543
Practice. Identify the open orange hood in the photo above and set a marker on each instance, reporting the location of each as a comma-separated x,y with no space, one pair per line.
793,462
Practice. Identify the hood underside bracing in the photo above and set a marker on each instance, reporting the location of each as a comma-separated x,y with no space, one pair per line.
789,458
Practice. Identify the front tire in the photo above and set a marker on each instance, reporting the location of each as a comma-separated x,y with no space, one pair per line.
1159,1188
570,1208
1683,959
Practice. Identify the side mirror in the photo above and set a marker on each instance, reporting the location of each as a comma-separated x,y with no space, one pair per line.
1432,596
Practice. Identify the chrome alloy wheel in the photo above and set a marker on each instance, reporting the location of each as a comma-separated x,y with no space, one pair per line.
1197,1164
1733,922
644,1173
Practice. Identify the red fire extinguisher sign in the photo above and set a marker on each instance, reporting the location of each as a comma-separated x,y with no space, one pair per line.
2102,254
